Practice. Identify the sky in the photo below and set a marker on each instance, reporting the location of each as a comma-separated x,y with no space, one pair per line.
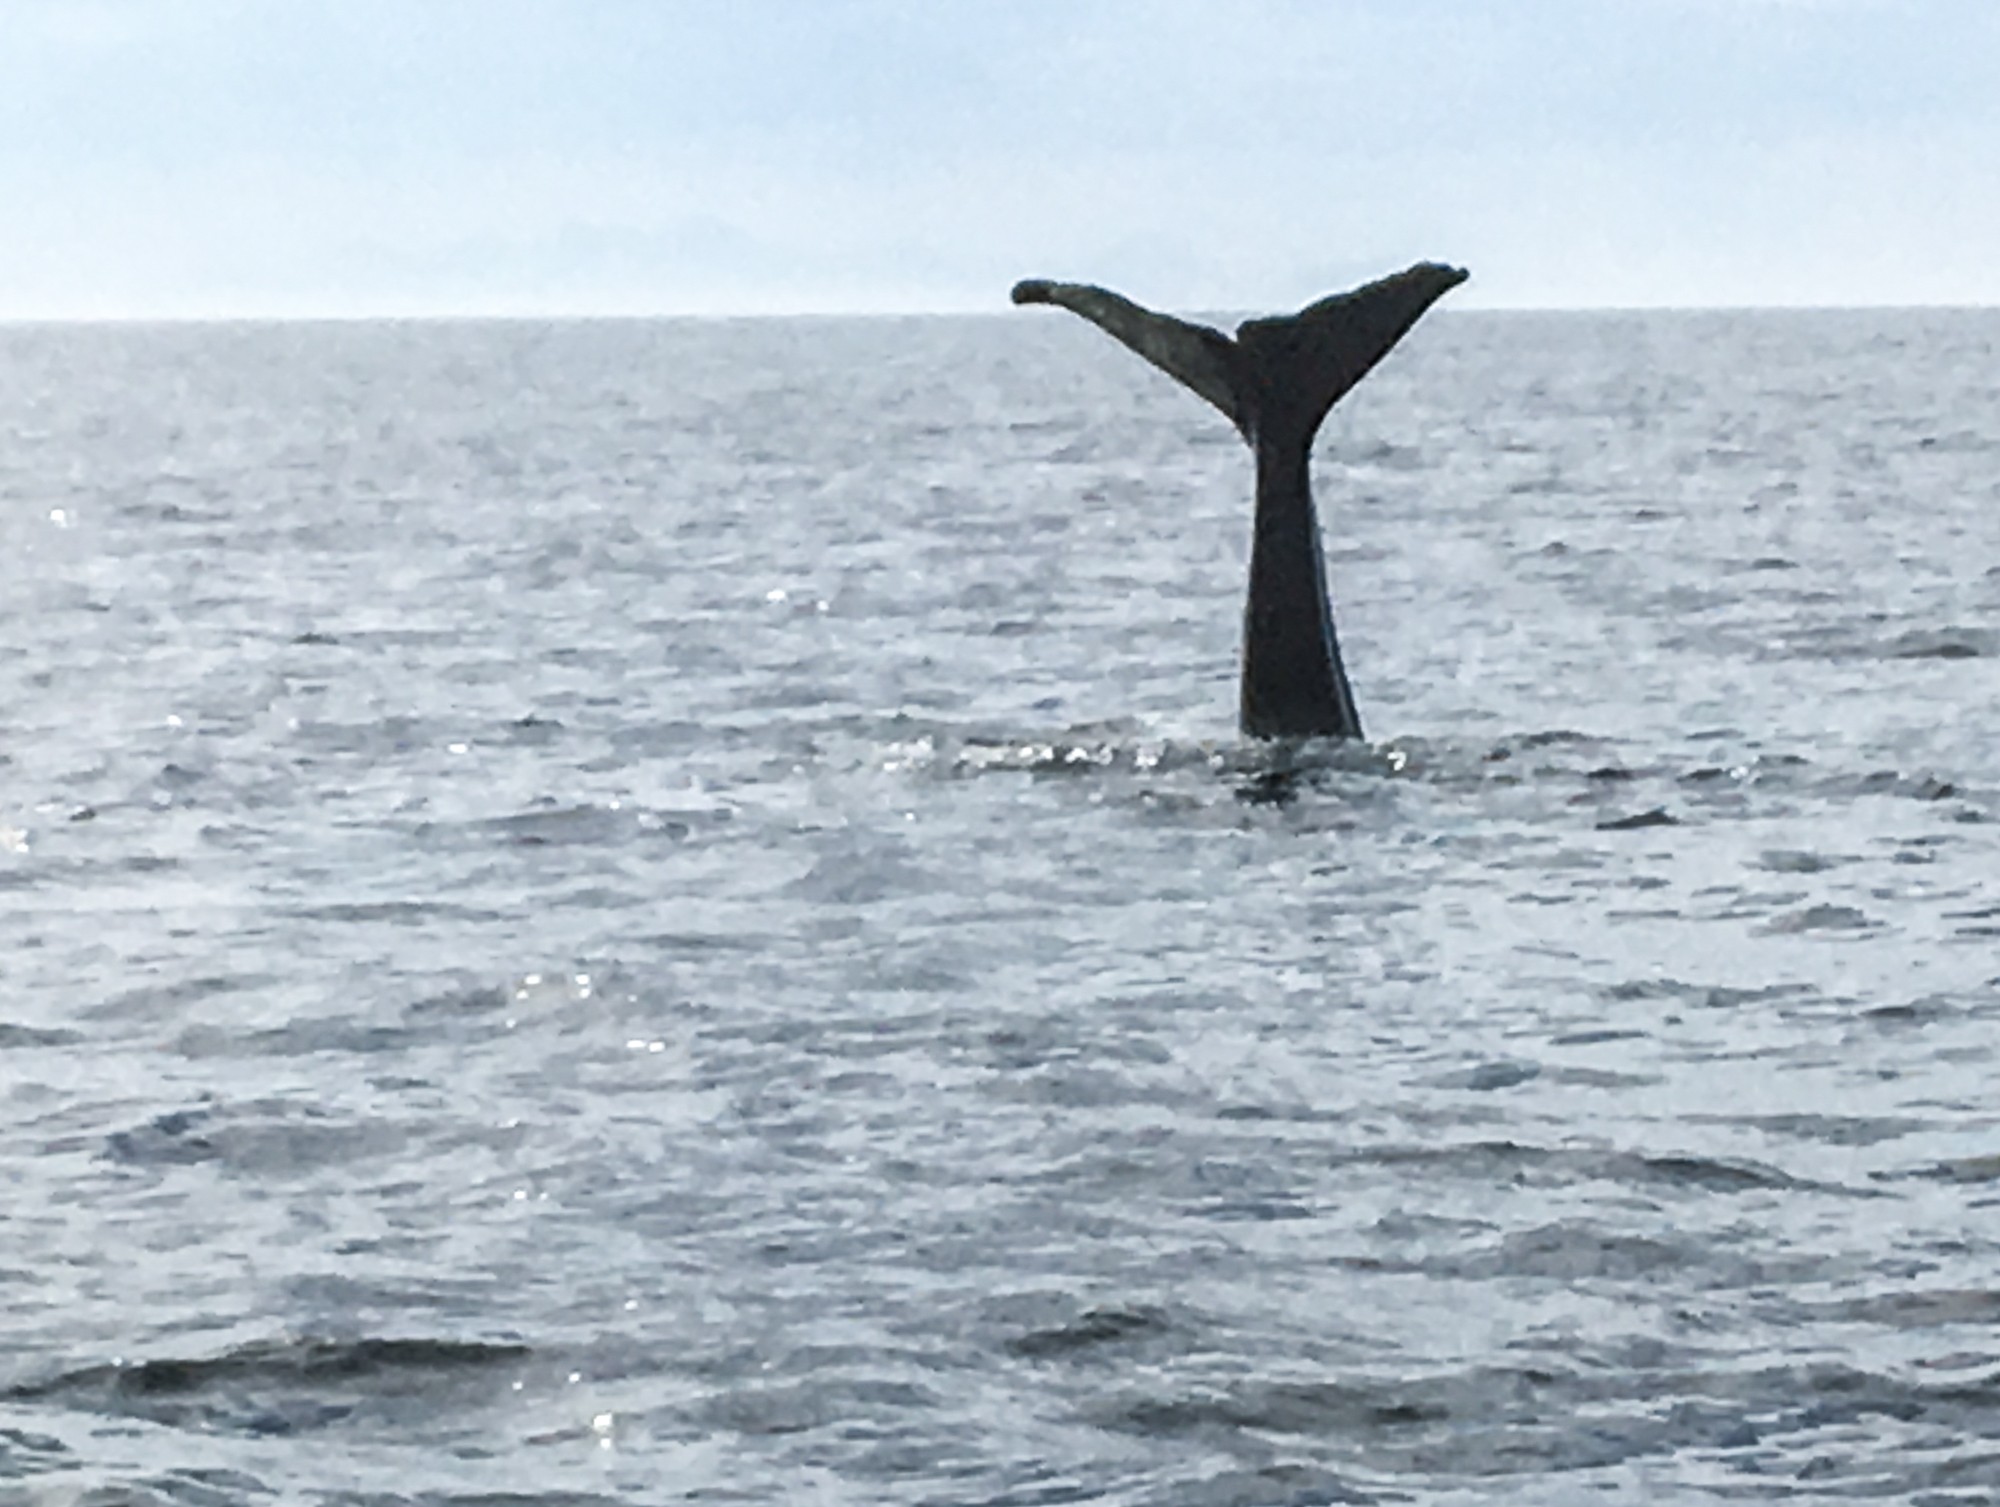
208,158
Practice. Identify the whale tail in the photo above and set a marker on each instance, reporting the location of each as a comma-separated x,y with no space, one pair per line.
1281,374
1276,382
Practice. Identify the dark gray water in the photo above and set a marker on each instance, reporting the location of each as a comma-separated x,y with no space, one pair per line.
648,912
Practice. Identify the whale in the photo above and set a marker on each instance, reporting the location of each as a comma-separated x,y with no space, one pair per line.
1276,380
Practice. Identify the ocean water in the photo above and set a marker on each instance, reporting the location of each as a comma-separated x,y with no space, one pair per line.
640,912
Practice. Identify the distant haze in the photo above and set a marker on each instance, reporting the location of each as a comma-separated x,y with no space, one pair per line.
239,157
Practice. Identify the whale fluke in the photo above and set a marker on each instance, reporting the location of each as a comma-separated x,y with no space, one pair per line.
1203,359
1275,382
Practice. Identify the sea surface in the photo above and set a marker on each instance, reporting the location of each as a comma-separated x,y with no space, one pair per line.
647,912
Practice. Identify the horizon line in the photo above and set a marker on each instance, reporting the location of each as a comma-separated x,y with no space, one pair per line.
557,315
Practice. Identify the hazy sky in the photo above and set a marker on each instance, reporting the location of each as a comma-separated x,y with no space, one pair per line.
176,157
